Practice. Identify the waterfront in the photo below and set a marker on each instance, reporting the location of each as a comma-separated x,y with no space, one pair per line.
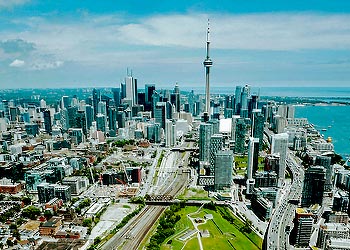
330,121
319,92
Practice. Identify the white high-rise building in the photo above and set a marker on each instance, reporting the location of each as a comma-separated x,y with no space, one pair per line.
170,137
131,89
279,146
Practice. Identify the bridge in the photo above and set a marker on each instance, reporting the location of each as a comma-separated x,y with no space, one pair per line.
160,197
185,149
186,202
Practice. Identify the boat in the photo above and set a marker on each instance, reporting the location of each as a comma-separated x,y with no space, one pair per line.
324,129
329,126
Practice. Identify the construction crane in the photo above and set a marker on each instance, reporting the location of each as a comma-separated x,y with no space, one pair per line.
127,176
92,176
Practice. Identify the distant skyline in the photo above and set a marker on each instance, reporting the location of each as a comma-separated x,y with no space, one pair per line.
89,43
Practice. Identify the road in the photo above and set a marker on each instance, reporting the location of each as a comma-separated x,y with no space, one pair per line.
277,238
240,208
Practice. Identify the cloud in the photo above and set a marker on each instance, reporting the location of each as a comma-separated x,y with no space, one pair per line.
42,65
8,4
269,31
91,38
17,63
110,41
16,46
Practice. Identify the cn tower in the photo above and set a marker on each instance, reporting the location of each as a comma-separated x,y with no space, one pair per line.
207,64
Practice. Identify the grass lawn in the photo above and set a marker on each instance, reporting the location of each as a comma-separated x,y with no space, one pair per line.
241,171
241,163
221,231
194,194
228,232
191,244
181,226
261,163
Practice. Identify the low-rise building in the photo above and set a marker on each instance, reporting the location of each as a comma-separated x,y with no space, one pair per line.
332,230
6,186
50,227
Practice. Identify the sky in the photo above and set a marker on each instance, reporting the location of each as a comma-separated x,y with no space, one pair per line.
53,44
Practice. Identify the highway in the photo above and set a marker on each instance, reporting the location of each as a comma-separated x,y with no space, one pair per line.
277,237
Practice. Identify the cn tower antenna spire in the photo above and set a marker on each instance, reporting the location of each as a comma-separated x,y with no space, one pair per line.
208,38
207,64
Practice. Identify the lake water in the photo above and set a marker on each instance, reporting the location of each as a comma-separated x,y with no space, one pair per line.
336,119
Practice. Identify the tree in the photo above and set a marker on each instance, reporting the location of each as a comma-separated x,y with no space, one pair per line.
9,243
16,234
247,226
87,222
27,201
48,214
31,212
97,240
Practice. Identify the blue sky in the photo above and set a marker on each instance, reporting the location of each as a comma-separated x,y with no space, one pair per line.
91,43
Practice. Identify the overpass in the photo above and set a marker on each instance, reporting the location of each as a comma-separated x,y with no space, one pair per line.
185,149
186,202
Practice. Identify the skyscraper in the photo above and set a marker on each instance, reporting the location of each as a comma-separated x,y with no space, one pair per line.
279,146
169,133
131,89
207,64
258,126
216,144
101,122
175,98
116,96
80,121
240,134
64,102
325,162
223,169
314,181
253,157
205,132
95,100
112,121
47,121
72,111
149,88
160,114
121,119
238,99
245,95
89,112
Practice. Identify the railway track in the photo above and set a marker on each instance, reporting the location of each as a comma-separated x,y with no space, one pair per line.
139,232
131,235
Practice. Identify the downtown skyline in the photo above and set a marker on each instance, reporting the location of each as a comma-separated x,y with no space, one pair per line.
91,44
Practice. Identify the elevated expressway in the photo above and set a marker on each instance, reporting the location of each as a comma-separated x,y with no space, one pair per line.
277,235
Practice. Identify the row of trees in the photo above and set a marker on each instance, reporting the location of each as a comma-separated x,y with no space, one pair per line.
166,227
